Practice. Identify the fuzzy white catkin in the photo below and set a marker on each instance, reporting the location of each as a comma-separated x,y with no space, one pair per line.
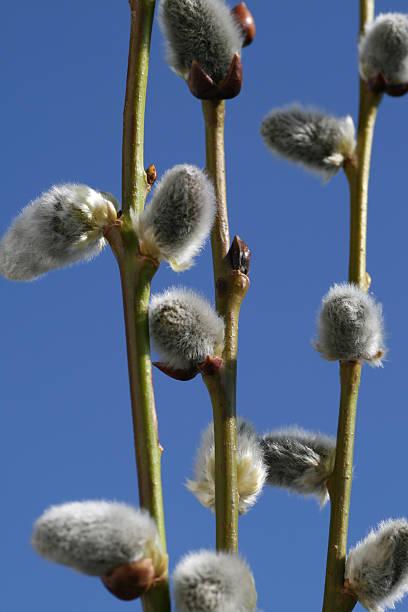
174,226
64,225
94,537
350,326
251,470
200,30
319,142
184,328
377,567
384,48
207,581
299,460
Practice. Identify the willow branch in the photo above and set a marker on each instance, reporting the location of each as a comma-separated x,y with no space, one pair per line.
136,273
134,182
357,172
230,289
335,598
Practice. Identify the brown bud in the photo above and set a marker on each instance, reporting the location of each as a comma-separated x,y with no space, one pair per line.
368,280
210,366
381,85
246,22
397,90
231,85
130,581
203,87
176,374
239,255
201,84
378,84
151,174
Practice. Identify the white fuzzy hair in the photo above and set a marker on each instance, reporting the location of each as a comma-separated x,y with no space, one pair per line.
384,48
184,327
318,142
251,470
94,537
64,225
350,326
201,30
377,567
176,223
299,460
208,581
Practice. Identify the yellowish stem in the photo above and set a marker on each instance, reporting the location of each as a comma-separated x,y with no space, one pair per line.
357,172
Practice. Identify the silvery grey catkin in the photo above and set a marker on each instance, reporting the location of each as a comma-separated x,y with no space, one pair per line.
251,470
319,142
299,460
209,581
94,537
64,225
200,30
384,49
350,326
174,226
184,328
377,567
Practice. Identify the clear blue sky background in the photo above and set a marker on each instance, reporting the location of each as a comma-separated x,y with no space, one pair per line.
66,429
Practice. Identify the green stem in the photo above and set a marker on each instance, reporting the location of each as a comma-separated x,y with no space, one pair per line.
230,289
134,182
136,273
214,118
357,171
366,13
222,389
335,600
358,176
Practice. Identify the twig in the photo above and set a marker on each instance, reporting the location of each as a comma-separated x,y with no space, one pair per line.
335,599
134,182
230,289
136,273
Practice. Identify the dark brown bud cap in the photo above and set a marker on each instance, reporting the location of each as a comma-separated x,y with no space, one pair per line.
177,374
380,85
130,581
203,87
239,255
246,22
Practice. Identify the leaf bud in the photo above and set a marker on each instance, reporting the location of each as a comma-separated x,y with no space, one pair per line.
240,255
246,22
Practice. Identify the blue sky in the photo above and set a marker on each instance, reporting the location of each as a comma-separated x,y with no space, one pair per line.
66,428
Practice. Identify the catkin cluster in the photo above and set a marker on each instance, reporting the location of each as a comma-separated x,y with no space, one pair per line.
377,567
94,537
64,225
200,30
